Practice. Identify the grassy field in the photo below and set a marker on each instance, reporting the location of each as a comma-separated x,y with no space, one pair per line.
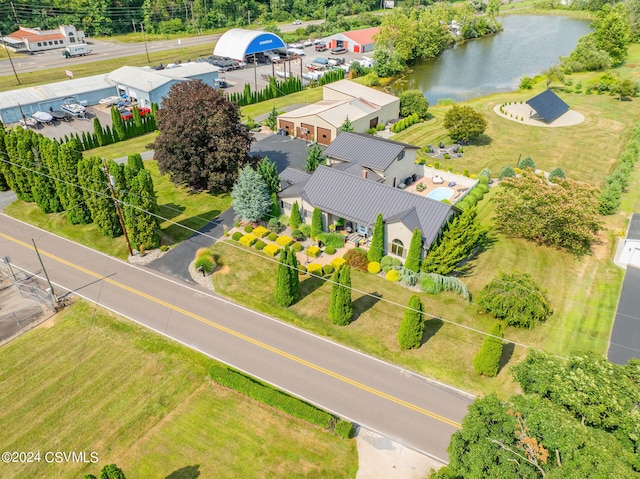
123,148
181,208
95,382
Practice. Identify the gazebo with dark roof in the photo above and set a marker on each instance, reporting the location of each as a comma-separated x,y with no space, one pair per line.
548,105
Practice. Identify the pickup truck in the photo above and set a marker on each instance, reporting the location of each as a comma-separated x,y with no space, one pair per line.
321,47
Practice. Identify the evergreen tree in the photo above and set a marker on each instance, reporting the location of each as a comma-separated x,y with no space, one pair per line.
460,240
43,185
50,152
314,157
341,307
295,220
295,279
283,291
347,126
19,149
119,131
98,132
487,361
251,198
415,249
316,223
412,326
4,185
376,250
93,179
137,122
69,156
269,173
140,212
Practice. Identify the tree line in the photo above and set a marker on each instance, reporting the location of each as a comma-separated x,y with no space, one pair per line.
58,179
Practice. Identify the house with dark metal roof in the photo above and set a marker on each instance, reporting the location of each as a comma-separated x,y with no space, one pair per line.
342,196
548,106
385,161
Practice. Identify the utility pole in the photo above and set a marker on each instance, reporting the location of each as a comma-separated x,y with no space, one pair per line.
10,59
51,291
249,15
325,18
117,205
144,38
133,22
14,14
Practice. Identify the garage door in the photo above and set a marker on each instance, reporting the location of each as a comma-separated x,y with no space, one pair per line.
324,136
287,126
309,129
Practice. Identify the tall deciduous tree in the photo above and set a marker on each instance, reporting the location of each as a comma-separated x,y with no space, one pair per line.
413,101
314,157
412,325
202,142
458,243
269,172
316,223
412,262
563,215
464,123
295,220
487,361
251,198
612,31
340,307
516,298
376,250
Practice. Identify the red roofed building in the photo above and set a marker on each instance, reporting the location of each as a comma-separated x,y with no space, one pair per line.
36,40
356,41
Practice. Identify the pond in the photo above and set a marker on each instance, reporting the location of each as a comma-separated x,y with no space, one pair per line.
528,45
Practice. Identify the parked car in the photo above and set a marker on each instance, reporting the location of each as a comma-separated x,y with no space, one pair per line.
297,22
220,83
308,43
336,61
320,61
338,50
321,47
296,45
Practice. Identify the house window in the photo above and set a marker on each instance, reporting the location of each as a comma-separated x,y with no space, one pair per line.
50,43
39,44
397,248
401,155
286,206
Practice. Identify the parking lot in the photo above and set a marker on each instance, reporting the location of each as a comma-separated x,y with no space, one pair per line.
237,78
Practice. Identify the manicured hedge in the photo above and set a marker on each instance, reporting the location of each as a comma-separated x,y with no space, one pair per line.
284,240
236,236
272,249
331,239
373,267
248,229
405,123
260,231
337,262
259,245
313,251
280,400
393,275
315,268
328,269
272,237
388,261
302,268
330,250
248,240
357,259
297,247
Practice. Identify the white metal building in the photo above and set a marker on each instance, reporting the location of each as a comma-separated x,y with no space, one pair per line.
355,41
36,40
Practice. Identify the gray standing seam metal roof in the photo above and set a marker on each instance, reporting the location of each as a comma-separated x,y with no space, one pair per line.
625,336
367,150
293,175
360,200
633,233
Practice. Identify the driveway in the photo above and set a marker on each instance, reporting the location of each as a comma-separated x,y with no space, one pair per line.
625,336
284,150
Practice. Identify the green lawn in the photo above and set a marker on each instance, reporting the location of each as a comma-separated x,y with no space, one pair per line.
123,148
90,381
181,208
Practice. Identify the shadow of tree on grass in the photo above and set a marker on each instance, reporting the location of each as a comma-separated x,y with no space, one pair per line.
431,327
363,303
187,472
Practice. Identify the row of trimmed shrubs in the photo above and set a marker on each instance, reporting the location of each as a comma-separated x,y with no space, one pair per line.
275,398
405,123
251,239
476,194
618,180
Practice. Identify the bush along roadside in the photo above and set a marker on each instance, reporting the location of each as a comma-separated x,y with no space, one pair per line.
618,180
275,398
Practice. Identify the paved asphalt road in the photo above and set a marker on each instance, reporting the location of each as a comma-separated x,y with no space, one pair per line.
104,50
399,404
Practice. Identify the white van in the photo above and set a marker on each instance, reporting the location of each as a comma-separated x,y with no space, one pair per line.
76,50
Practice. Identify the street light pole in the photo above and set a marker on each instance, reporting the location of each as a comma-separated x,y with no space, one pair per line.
117,205
52,292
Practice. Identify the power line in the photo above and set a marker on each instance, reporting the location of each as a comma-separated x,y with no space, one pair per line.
328,280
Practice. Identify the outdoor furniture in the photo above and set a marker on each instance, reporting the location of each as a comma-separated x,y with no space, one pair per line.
452,183
438,180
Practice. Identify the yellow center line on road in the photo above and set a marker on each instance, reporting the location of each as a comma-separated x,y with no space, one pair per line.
238,335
